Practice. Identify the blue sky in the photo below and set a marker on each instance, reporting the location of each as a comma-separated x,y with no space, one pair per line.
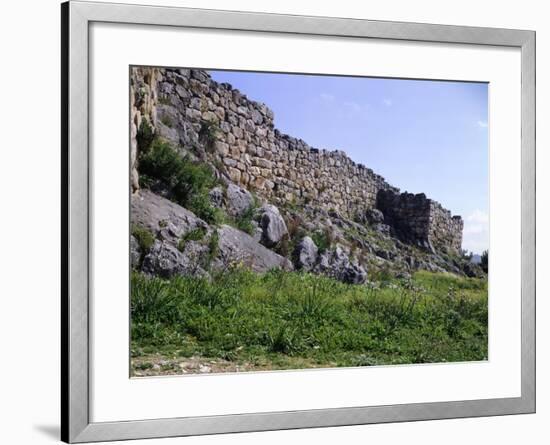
422,136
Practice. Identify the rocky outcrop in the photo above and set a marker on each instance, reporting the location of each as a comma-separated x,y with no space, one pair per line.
337,264
239,248
215,248
166,260
165,219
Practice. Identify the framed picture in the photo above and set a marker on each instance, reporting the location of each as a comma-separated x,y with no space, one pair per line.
276,222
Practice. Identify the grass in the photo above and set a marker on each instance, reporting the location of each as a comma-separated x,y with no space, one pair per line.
244,221
193,235
290,320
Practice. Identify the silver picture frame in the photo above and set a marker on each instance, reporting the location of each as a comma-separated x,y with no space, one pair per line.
75,361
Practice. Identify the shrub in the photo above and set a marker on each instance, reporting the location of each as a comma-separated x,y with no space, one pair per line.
200,204
161,161
208,133
188,182
144,237
145,136
322,239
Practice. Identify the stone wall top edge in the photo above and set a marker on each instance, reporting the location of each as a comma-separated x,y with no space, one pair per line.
298,143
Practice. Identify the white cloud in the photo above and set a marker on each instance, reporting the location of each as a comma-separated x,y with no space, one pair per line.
387,102
476,232
482,124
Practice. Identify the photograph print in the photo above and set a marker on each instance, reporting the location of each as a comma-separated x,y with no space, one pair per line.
284,221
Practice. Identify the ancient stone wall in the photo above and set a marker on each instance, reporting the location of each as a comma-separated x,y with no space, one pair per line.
215,122
143,102
419,220
444,229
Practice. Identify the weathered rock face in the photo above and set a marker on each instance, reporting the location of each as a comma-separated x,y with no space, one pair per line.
239,200
169,223
272,224
217,123
163,217
165,260
306,254
336,263
237,247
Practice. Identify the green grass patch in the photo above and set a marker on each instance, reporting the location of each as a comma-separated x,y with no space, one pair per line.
244,221
193,235
284,320
144,237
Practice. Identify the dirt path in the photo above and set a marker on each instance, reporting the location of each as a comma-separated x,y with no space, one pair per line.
156,365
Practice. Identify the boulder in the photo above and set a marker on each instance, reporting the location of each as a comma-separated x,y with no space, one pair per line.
272,224
306,254
239,200
165,260
336,263
165,218
236,247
